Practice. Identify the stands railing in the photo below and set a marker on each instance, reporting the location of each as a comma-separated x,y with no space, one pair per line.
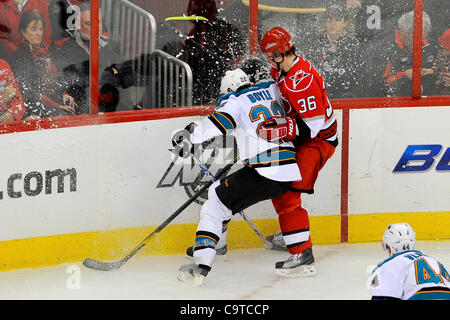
132,26
170,82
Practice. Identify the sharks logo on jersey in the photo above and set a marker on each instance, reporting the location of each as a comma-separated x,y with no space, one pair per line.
188,174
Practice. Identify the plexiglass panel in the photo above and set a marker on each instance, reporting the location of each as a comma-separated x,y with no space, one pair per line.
157,54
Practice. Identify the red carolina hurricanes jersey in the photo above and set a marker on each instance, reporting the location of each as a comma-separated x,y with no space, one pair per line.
303,90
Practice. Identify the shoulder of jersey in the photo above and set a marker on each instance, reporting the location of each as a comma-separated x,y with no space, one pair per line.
397,255
300,77
235,95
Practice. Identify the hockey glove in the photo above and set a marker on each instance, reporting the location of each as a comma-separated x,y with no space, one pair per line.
182,143
275,129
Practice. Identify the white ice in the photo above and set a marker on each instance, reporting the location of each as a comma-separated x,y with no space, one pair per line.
342,272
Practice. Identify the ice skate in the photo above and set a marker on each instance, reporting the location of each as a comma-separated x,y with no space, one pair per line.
192,274
219,251
297,265
277,242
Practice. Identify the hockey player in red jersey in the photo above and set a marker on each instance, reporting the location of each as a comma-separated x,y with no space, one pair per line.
306,103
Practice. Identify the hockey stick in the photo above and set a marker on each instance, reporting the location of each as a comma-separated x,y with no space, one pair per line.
110,266
268,244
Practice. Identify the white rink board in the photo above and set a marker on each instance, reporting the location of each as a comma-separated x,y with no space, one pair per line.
378,139
118,167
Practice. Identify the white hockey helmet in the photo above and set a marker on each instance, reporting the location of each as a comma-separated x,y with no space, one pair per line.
234,79
399,237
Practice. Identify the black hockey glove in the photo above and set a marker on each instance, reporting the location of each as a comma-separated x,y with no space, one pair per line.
181,141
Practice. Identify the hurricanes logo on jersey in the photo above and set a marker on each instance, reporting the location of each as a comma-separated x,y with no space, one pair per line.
300,80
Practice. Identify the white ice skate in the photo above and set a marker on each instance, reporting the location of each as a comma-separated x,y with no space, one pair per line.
192,274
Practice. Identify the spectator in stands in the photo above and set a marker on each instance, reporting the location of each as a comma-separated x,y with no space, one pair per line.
12,106
33,67
10,14
399,62
337,55
62,14
73,59
376,19
212,47
442,65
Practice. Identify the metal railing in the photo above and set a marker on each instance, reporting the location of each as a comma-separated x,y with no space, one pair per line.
170,82
132,26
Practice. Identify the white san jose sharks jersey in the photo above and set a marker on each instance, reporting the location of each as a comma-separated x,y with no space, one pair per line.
410,275
241,113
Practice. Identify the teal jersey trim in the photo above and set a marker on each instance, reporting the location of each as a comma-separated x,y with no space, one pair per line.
223,121
277,156
395,256
259,86
435,294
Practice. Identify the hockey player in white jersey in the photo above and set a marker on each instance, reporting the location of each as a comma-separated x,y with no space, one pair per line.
408,274
269,167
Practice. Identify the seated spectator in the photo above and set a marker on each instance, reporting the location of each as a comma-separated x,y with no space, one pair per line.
10,13
33,67
399,62
12,106
211,49
376,19
72,60
441,66
337,55
62,19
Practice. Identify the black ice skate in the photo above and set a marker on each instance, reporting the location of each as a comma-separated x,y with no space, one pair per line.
219,251
297,265
192,274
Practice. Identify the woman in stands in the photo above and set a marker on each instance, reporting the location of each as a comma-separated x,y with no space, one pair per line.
33,67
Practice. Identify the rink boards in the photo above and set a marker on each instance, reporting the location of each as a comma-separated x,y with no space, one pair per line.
97,190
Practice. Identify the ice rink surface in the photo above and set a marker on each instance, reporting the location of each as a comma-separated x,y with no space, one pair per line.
342,272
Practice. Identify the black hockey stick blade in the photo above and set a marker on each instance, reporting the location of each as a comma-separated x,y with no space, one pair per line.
102,266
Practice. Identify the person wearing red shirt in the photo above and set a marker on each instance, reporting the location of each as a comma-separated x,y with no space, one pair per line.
309,109
10,14
441,65
12,106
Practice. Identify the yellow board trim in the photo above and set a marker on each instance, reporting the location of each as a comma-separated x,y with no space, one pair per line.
370,227
115,244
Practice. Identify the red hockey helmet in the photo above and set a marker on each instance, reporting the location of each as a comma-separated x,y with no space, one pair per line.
276,39
444,39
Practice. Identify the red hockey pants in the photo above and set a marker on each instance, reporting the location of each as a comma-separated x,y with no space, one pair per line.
294,221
